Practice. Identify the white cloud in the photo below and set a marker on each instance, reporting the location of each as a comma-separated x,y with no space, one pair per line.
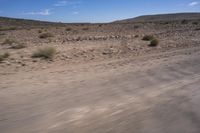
45,12
194,3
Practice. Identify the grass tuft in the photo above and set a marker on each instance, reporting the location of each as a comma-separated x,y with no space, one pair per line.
195,23
7,28
45,53
45,35
39,31
13,44
148,38
184,22
68,29
154,43
85,29
8,42
17,46
4,56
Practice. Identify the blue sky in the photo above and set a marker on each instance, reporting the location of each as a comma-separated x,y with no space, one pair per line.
92,10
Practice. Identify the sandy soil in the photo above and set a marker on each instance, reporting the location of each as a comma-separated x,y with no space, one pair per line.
148,94
103,79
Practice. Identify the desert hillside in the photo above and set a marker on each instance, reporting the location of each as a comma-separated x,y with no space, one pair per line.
80,43
163,18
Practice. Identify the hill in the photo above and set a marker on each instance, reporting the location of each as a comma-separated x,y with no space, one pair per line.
162,17
16,22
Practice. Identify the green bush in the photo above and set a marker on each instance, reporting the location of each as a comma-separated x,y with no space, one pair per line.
45,53
45,35
154,43
148,38
4,56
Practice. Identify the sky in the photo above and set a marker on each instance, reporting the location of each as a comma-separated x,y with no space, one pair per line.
92,10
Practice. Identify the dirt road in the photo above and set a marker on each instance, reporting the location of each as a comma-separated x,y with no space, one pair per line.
157,93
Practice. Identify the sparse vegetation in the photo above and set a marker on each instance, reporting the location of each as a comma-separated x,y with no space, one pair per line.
45,35
8,42
7,28
17,46
148,38
45,53
164,23
195,23
184,22
197,29
28,29
85,29
13,44
136,36
1,34
39,31
136,26
4,56
154,43
68,29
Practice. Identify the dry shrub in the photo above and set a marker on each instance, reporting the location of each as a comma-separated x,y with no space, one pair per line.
18,46
184,22
45,35
7,28
68,29
148,38
13,44
4,56
45,53
154,43
39,31
195,23
8,42
85,29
